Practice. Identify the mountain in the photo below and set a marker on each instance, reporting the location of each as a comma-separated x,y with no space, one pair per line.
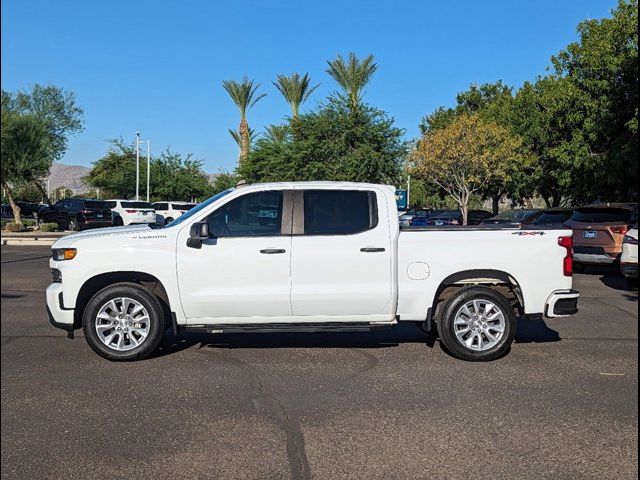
69,176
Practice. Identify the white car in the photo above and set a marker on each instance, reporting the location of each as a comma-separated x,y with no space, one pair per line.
629,258
332,258
167,212
129,212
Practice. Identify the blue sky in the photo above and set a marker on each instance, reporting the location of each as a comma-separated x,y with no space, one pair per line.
157,66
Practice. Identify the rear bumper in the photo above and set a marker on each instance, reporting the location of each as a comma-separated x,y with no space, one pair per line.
595,258
59,316
562,303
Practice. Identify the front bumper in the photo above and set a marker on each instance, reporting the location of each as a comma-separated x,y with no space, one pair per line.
562,303
59,316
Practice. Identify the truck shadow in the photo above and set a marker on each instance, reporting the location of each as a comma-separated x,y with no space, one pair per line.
528,331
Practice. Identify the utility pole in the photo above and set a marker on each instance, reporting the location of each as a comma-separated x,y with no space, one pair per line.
148,167
408,192
137,165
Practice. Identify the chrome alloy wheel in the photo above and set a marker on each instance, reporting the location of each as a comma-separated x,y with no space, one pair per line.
479,325
122,324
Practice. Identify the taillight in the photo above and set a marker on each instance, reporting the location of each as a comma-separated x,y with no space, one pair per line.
620,229
131,211
567,242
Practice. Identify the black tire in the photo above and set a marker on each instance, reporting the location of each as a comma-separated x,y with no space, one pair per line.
118,222
632,283
579,268
73,225
446,326
134,291
168,220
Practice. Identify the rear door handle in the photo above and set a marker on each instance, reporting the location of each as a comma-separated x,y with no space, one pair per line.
272,251
372,249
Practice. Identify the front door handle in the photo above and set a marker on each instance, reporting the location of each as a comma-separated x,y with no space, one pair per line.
372,249
272,251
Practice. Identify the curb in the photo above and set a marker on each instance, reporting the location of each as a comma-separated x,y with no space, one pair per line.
31,241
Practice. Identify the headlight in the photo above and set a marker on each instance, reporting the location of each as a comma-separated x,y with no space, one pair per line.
60,254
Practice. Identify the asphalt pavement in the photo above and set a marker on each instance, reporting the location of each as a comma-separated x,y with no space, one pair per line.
386,405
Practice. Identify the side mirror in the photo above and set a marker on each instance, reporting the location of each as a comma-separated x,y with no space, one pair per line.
199,232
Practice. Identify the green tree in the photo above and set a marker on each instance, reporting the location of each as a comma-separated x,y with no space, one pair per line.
352,75
24,152
244,95
59,114
464,157
223,181
173,177
295,90
332,143
603,67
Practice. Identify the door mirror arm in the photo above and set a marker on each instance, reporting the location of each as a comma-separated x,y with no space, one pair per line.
198,233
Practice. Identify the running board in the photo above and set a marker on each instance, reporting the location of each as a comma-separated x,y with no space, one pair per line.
287,327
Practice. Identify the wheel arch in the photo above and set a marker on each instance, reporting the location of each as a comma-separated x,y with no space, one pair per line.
96,283
498,280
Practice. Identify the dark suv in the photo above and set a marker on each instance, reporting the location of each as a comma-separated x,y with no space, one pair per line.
78,213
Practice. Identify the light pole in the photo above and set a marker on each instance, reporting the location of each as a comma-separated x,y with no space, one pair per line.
148,166
137,166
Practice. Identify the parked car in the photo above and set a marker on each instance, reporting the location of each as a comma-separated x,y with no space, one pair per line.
128,212
27,210
405,218
513,218
167,212
598,232
629,258
422,218
78,214
550,217
454,217
333,259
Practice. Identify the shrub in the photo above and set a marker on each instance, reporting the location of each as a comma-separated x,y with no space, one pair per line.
49,227
14,227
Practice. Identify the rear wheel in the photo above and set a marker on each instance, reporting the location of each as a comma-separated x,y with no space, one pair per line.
118,222
123,322
632,283
168,220
477,324
73,225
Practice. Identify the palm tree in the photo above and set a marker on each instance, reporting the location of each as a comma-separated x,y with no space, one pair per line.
277,133
295,90
352,75
244,96
236,136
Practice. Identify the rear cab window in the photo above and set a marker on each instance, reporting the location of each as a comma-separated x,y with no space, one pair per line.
339,212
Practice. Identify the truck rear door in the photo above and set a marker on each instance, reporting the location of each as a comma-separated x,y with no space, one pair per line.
341,260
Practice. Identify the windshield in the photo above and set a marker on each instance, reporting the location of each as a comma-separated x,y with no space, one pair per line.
198,208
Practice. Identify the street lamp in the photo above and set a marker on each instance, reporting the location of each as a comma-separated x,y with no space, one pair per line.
138,166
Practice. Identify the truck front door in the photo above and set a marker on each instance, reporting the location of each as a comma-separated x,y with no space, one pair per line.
242,271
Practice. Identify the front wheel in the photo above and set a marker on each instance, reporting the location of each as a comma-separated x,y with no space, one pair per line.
123,322
477,324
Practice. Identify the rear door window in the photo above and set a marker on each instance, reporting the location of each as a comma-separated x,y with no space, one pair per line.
339,212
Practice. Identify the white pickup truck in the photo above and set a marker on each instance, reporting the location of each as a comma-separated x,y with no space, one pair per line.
331,257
